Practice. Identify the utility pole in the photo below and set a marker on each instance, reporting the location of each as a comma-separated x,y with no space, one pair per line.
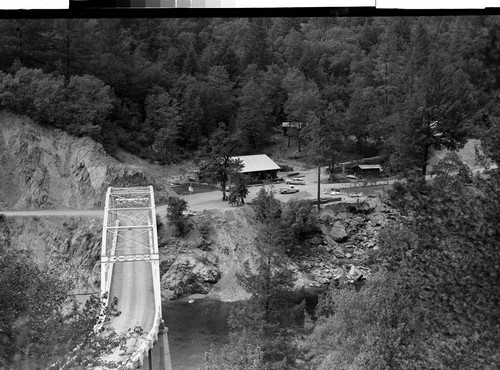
319,183
321,117
319,163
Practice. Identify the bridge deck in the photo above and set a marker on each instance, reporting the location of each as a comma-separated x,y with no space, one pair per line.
130,268
132,284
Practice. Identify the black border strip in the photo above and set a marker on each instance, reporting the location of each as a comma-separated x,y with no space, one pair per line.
108,9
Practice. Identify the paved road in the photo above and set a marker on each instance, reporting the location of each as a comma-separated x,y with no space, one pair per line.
213,199
197,202
96,213
132,284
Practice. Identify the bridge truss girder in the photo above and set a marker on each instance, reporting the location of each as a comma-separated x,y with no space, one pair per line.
130,235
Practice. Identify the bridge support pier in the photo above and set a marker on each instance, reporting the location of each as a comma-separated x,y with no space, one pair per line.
159,356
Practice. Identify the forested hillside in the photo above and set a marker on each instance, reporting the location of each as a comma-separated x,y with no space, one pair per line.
395,86
175,89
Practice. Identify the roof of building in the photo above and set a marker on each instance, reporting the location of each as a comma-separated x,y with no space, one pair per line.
370,167
292,124
259,162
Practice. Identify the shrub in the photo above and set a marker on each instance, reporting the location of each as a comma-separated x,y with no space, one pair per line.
175,208
299,219
266,205
286,168
204,227
374,328
238,193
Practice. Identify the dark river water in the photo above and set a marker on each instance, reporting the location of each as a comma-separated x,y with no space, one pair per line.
194,328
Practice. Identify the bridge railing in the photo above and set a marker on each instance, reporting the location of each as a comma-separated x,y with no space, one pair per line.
126,199
137,357
106,268
110,218
152,337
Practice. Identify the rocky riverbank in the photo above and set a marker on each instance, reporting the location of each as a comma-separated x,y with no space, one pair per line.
206,260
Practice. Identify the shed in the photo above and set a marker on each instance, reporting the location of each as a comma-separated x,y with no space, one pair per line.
367,170
258,167
288,125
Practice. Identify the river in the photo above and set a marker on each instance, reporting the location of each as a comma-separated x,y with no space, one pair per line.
194,327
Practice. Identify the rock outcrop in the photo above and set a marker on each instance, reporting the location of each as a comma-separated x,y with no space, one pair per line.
207,259
193,271
337,232
69,247
46,168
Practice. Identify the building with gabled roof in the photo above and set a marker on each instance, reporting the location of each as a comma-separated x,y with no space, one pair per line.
370,167
367,170
258,167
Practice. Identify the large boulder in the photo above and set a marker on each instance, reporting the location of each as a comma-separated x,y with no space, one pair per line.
192,272
378,219
338,252
314,241
337,232
364,207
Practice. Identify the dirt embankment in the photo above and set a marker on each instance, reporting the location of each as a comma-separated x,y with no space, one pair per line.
46,168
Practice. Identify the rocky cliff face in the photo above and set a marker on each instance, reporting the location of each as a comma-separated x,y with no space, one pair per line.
46,168
207,259
69,247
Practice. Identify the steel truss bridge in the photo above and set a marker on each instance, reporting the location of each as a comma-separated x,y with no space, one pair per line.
130,271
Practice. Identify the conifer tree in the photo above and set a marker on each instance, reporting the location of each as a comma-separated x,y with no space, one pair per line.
270,310
218,165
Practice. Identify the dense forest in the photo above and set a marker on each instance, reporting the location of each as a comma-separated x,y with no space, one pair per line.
395,87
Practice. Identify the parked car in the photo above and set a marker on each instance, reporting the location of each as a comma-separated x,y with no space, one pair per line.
356,195
288,190
336,192
295,181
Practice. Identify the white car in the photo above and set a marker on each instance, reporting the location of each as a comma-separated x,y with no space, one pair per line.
289,190
356,195
295,181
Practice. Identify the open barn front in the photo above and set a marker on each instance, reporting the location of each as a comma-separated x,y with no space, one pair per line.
258,168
